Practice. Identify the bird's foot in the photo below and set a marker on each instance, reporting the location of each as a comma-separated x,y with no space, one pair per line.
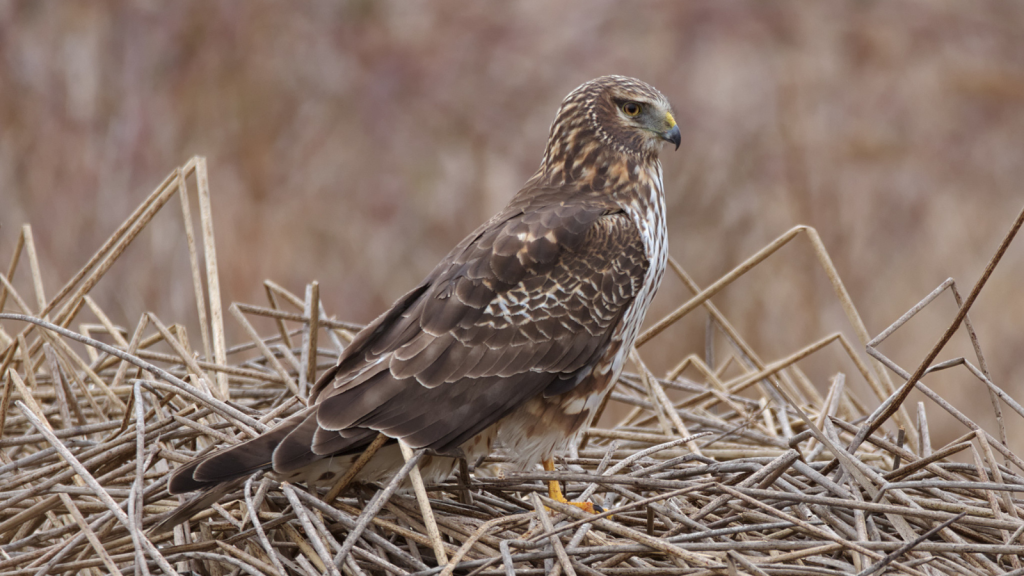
555,492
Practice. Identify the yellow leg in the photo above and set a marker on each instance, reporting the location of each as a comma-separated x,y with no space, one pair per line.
555,491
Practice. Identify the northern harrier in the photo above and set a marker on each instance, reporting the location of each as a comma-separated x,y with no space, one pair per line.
520,331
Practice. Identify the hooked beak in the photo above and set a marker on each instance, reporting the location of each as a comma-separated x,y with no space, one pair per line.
672,134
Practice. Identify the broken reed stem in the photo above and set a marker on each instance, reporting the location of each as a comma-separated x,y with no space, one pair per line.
421,497
904,391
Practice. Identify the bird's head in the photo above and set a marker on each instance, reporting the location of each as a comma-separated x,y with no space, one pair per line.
615,114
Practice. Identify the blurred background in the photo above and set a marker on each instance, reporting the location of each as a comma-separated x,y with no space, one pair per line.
355,143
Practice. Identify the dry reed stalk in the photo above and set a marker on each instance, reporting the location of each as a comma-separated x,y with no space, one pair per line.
774,479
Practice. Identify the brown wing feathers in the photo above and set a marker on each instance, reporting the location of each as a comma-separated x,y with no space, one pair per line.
519,308
517,346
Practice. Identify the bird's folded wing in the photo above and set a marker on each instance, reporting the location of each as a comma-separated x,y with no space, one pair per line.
527,304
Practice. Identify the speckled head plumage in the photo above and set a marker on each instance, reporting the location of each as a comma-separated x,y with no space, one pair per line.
610,114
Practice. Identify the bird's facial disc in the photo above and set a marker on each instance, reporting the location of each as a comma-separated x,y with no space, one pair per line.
653,117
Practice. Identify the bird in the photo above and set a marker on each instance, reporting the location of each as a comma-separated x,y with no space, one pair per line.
516,337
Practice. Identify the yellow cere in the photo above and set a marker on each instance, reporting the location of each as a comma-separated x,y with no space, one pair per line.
671,120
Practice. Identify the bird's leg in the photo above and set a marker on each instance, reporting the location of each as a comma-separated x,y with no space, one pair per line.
555,491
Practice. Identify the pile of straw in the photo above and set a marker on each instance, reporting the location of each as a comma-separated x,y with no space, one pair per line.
728,464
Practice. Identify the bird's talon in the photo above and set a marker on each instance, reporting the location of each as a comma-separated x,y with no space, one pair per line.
587,507
555,492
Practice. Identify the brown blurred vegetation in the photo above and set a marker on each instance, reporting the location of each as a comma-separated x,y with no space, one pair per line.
355,142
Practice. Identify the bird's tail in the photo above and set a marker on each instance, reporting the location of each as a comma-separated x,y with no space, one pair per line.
191,507
235,462
221,472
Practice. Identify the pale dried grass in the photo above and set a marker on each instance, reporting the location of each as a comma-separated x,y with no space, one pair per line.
729,463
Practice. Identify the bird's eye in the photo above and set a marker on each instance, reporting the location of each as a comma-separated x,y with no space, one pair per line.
630,108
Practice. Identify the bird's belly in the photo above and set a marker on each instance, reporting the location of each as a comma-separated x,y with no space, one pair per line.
545,426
